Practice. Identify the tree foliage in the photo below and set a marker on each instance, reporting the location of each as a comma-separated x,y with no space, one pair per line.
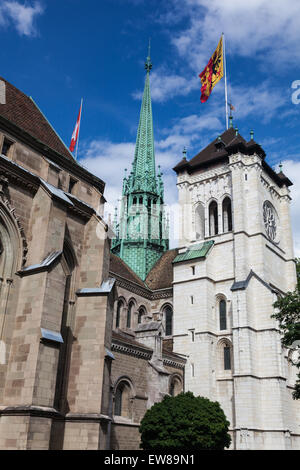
185,422
288,316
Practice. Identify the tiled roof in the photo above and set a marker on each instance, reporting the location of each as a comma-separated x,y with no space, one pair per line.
123,337
24,113
161,275
195,251
118,266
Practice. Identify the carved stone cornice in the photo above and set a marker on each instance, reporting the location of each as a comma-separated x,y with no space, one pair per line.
131,350
173,363
142,291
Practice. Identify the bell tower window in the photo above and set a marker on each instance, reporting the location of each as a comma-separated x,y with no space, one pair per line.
227,215
199,222
213,219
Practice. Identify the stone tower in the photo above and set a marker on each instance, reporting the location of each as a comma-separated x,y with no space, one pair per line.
142,232
235,257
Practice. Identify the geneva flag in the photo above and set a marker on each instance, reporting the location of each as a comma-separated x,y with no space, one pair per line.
212,73
76,131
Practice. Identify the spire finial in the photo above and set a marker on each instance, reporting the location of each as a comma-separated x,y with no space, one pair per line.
230,121
184,153
236,131
251,134
148,64
280,167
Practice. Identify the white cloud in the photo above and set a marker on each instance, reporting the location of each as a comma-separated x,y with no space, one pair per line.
21,15
108,161
164,86
291,169
269,31
262,101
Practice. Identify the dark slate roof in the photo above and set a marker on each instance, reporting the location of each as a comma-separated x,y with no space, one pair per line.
208,154
119,267
219,150
242,285
172,355
122,337
21,110
161,275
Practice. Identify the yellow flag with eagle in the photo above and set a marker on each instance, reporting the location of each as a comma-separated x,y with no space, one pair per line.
212,73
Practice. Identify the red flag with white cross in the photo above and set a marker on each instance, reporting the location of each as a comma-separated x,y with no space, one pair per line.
76,131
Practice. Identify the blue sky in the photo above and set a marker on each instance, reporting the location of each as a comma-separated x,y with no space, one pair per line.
59,51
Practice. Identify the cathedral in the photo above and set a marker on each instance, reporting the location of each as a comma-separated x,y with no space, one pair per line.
100,321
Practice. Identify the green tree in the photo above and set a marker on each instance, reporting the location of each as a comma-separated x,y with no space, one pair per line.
185,422
288,316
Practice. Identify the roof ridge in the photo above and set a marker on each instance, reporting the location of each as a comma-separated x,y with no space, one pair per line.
38,108
22,111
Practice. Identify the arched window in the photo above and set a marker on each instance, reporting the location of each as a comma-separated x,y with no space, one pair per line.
227,215
118,401
175,386
227,357
129,314
122,400
9,262
141,313
118,314
169,320
213,218
199,222
223,315
9,247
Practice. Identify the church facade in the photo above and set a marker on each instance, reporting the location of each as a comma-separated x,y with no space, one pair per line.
98,323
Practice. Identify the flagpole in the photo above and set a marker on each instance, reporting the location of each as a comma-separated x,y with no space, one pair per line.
226,98
76,151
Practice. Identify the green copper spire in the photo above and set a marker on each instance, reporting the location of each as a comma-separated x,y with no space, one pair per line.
144,160
142,233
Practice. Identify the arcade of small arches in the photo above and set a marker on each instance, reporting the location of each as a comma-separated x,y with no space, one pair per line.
218,217
124,395
130,315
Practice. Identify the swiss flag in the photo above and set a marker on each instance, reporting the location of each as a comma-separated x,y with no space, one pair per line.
76,131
